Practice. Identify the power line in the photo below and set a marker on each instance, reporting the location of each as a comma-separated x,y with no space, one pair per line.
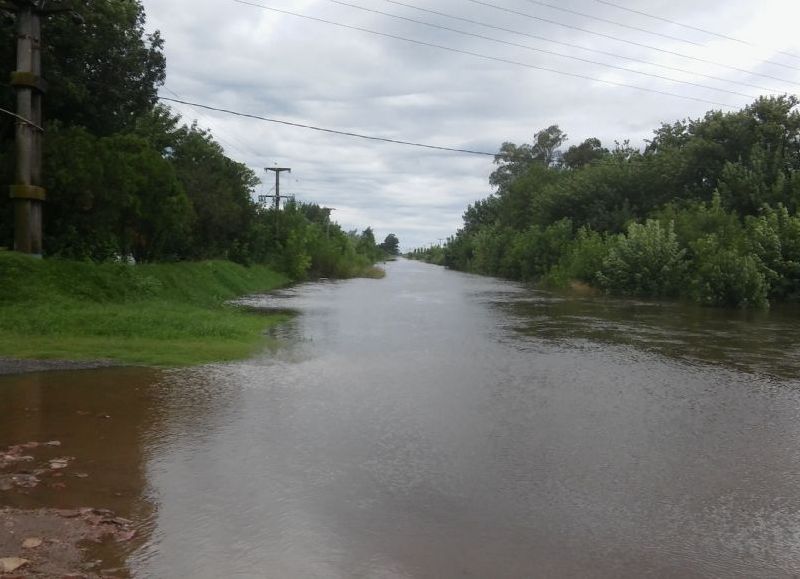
615,23
498,155
578,46
23,119
487,57
216,135
695,28
540,50
631,42
324,130
213,131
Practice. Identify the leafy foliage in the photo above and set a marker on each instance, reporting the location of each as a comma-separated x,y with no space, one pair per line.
102,74
127,180
391,245
647,261
724,276
707,211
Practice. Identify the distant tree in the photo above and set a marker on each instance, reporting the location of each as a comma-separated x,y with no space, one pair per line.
578,156
546,145
513,160
483,212
391,245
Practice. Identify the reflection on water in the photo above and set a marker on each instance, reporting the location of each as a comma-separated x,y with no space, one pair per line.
102,418
435,424
761,342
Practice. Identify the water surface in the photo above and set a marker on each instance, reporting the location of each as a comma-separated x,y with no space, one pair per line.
437,424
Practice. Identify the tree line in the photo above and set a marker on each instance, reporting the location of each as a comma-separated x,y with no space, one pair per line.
127,178
706,211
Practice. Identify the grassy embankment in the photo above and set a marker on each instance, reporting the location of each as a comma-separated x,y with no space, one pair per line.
160,315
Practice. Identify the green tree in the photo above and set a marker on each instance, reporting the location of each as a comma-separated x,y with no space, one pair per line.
103,74
587,152
112,196
220,190
391,245
726,276
647,261
513,160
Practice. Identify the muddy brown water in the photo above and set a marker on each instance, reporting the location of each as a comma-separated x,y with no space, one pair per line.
437,424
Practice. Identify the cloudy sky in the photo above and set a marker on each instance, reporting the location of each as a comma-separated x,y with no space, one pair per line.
250,59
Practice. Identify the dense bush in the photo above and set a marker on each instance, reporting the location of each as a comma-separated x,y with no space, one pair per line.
583,260
538,249
647,261
723,276
707,211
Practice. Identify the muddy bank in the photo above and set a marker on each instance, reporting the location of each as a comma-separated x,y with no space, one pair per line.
20,366
53,542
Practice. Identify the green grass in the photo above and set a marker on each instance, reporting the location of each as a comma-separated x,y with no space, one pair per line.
373,272
158,315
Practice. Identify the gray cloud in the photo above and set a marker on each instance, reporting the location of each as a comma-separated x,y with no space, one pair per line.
243,58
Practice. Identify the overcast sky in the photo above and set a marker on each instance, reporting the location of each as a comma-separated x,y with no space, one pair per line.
257,61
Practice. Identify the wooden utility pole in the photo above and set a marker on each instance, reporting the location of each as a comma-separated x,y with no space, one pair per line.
27,191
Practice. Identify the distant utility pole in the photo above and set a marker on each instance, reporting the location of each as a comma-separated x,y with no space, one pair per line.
277,196
27,191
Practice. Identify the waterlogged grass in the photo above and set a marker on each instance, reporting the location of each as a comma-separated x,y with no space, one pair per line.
163,315
373,272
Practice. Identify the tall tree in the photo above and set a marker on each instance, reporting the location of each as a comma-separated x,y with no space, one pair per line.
587,152
219,189
513,160
391,245
101,74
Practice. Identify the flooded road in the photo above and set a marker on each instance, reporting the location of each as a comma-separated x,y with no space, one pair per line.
437,424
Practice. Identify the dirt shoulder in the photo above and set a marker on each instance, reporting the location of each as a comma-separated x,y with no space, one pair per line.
53,542
50,542
22,366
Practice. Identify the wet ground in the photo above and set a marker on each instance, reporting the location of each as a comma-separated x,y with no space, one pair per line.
436,424
19,366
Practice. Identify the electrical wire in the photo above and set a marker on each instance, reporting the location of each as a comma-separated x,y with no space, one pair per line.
614,22
215,131
579,47
23,119
487,57
608,21
690,27
498,155
624,40
540,50
324,130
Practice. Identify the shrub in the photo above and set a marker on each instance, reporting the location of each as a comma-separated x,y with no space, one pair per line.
583,260
724,276
491,250
774,238
648,261
537,250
